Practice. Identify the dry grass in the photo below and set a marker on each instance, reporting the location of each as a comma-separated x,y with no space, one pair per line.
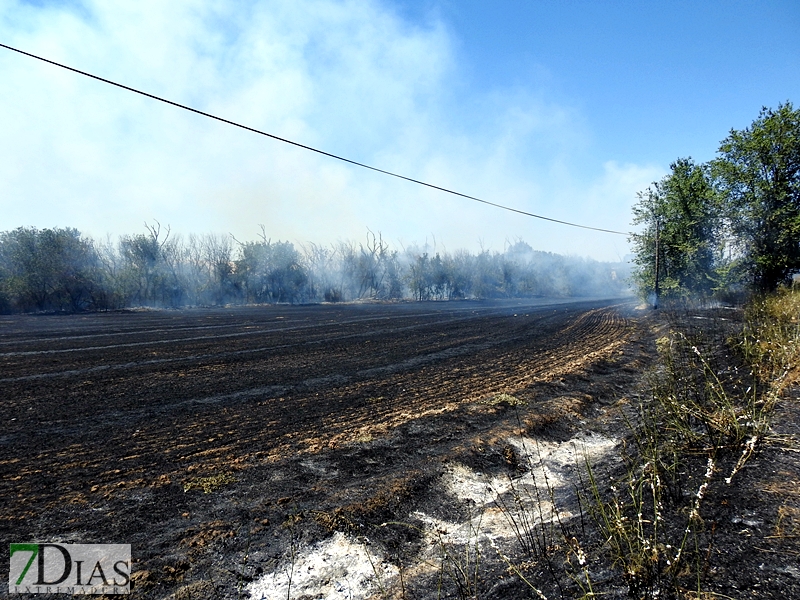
709,410
771,340
503,399
208,484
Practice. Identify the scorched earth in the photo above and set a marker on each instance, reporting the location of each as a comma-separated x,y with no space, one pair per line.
302,451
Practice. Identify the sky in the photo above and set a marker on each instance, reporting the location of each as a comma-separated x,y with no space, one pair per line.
562,109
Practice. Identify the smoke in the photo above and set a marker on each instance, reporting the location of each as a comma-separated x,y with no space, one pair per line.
62,270
354,78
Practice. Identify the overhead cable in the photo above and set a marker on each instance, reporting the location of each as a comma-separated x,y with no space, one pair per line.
299,145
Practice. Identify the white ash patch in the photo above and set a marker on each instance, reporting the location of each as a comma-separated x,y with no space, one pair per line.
320,467
496,501
334,569
559,462
549,466
484,526
342,568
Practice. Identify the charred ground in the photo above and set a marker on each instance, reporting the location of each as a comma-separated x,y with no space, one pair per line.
216,441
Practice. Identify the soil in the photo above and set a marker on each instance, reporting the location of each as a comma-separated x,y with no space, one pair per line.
336,451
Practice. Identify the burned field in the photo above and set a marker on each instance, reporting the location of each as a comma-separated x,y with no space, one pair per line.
217,442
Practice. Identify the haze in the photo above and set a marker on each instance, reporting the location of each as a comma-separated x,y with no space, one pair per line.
561,109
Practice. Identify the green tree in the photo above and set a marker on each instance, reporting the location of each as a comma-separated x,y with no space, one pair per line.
758,175
270,272
681,213
48,269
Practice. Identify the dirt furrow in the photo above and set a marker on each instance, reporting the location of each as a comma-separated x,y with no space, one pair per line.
101,438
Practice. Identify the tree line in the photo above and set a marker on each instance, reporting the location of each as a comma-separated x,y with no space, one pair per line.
728,227
64,270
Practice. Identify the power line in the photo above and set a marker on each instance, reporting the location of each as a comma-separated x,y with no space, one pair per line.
299,145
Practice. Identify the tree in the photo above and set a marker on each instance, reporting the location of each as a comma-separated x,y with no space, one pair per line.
217,253
48,269
758,175
680,235
419,276
461,266
150,272
270,271
487,281
321,266
372,268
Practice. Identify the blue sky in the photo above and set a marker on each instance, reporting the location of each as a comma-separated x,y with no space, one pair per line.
565,109
649,76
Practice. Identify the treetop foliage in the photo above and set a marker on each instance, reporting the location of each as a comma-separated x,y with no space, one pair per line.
728,226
